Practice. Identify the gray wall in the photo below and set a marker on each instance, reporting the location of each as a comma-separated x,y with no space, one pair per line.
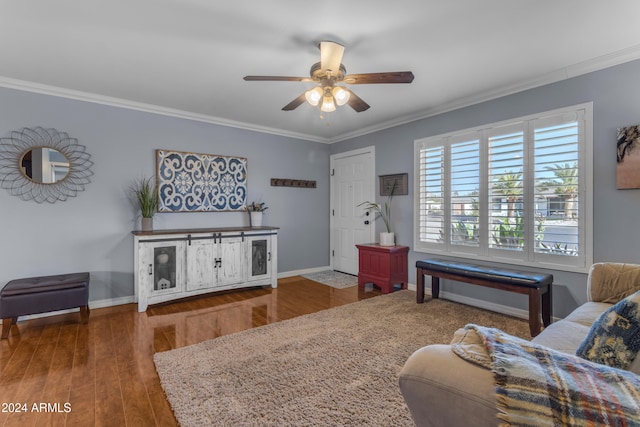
92,232
615,94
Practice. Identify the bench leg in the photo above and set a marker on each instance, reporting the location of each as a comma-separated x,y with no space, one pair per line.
547,301
534,312
7,322
420,286
435,287
84,314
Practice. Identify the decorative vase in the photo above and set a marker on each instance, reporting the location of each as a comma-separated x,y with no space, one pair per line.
387,239
147,224
255,219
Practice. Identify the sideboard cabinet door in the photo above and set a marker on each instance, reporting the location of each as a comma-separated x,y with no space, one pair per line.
160,269
230,266
200,267
259,258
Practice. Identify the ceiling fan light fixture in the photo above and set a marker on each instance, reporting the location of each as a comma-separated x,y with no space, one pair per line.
328,104
314,95
327,74
341,95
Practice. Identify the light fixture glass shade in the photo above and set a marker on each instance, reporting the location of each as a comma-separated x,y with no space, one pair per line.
341,95
314,95
328,104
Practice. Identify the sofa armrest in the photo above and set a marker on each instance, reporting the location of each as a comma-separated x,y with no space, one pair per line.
443,390
610,282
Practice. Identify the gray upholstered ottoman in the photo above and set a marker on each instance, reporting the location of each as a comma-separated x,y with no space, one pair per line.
42,294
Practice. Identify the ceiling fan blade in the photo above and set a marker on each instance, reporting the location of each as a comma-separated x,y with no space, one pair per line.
331,56
369,78
295,103
276,79
356,102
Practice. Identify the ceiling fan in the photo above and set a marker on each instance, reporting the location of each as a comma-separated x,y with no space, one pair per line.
328,73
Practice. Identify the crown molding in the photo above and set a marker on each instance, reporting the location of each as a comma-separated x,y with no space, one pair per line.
605,61
147,108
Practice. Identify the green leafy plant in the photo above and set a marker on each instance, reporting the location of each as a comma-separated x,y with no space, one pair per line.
564,184
510,186
383,210
560,249
465,231
146,192
256,207
509,235
540,227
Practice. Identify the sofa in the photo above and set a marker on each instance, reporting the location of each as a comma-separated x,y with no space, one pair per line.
442,389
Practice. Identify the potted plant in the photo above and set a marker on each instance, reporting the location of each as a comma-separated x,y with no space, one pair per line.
387,238
146,192
255,210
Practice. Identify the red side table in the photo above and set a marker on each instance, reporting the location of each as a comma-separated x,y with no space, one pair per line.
384,266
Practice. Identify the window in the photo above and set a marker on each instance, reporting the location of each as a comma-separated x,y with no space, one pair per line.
514,192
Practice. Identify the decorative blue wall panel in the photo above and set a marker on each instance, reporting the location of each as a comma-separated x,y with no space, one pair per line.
189,182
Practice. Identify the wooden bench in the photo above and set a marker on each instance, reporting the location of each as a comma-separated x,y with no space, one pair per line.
537,286
35,295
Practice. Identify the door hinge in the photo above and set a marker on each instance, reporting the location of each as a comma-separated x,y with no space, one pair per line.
333,172
333,212
333,253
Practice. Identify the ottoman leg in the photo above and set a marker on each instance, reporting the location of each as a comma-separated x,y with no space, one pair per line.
6,326
84,314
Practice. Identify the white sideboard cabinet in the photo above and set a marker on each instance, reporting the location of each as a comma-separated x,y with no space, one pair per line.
172,264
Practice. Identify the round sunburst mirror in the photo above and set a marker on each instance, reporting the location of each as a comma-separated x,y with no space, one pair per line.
43,165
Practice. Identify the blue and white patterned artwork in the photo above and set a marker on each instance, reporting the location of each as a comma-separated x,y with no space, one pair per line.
189,182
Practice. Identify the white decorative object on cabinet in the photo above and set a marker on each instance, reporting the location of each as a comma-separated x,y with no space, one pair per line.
173,264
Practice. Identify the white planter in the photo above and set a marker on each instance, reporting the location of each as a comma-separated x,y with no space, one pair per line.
387,239
255,219
147,224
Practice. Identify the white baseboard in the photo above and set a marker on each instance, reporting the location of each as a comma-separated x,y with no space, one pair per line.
292,273
498,308
92,304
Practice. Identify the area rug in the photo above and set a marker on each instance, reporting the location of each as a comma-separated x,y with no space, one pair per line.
336,367
335,279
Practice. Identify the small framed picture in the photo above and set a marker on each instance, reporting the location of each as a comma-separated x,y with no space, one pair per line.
399,183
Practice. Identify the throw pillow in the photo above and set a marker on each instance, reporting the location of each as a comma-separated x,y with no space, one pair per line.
614,338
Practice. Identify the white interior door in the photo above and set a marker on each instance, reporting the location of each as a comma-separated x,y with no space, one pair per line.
352,182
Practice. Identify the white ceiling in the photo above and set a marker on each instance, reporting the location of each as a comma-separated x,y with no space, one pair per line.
187,57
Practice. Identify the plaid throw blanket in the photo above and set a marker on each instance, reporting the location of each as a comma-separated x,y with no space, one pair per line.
538,386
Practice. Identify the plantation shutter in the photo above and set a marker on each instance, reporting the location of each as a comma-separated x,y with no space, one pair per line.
464,178
431,221
506,187
557,177
516,191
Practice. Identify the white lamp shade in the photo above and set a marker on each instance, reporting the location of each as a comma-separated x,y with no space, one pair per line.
328,104
341,95
314,95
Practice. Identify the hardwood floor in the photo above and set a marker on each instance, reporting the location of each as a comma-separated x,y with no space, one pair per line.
55,371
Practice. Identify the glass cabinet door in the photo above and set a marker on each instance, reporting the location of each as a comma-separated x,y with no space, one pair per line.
164,265
259,257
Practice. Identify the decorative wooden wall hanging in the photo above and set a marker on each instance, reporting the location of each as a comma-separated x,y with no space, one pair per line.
300,183
189,182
